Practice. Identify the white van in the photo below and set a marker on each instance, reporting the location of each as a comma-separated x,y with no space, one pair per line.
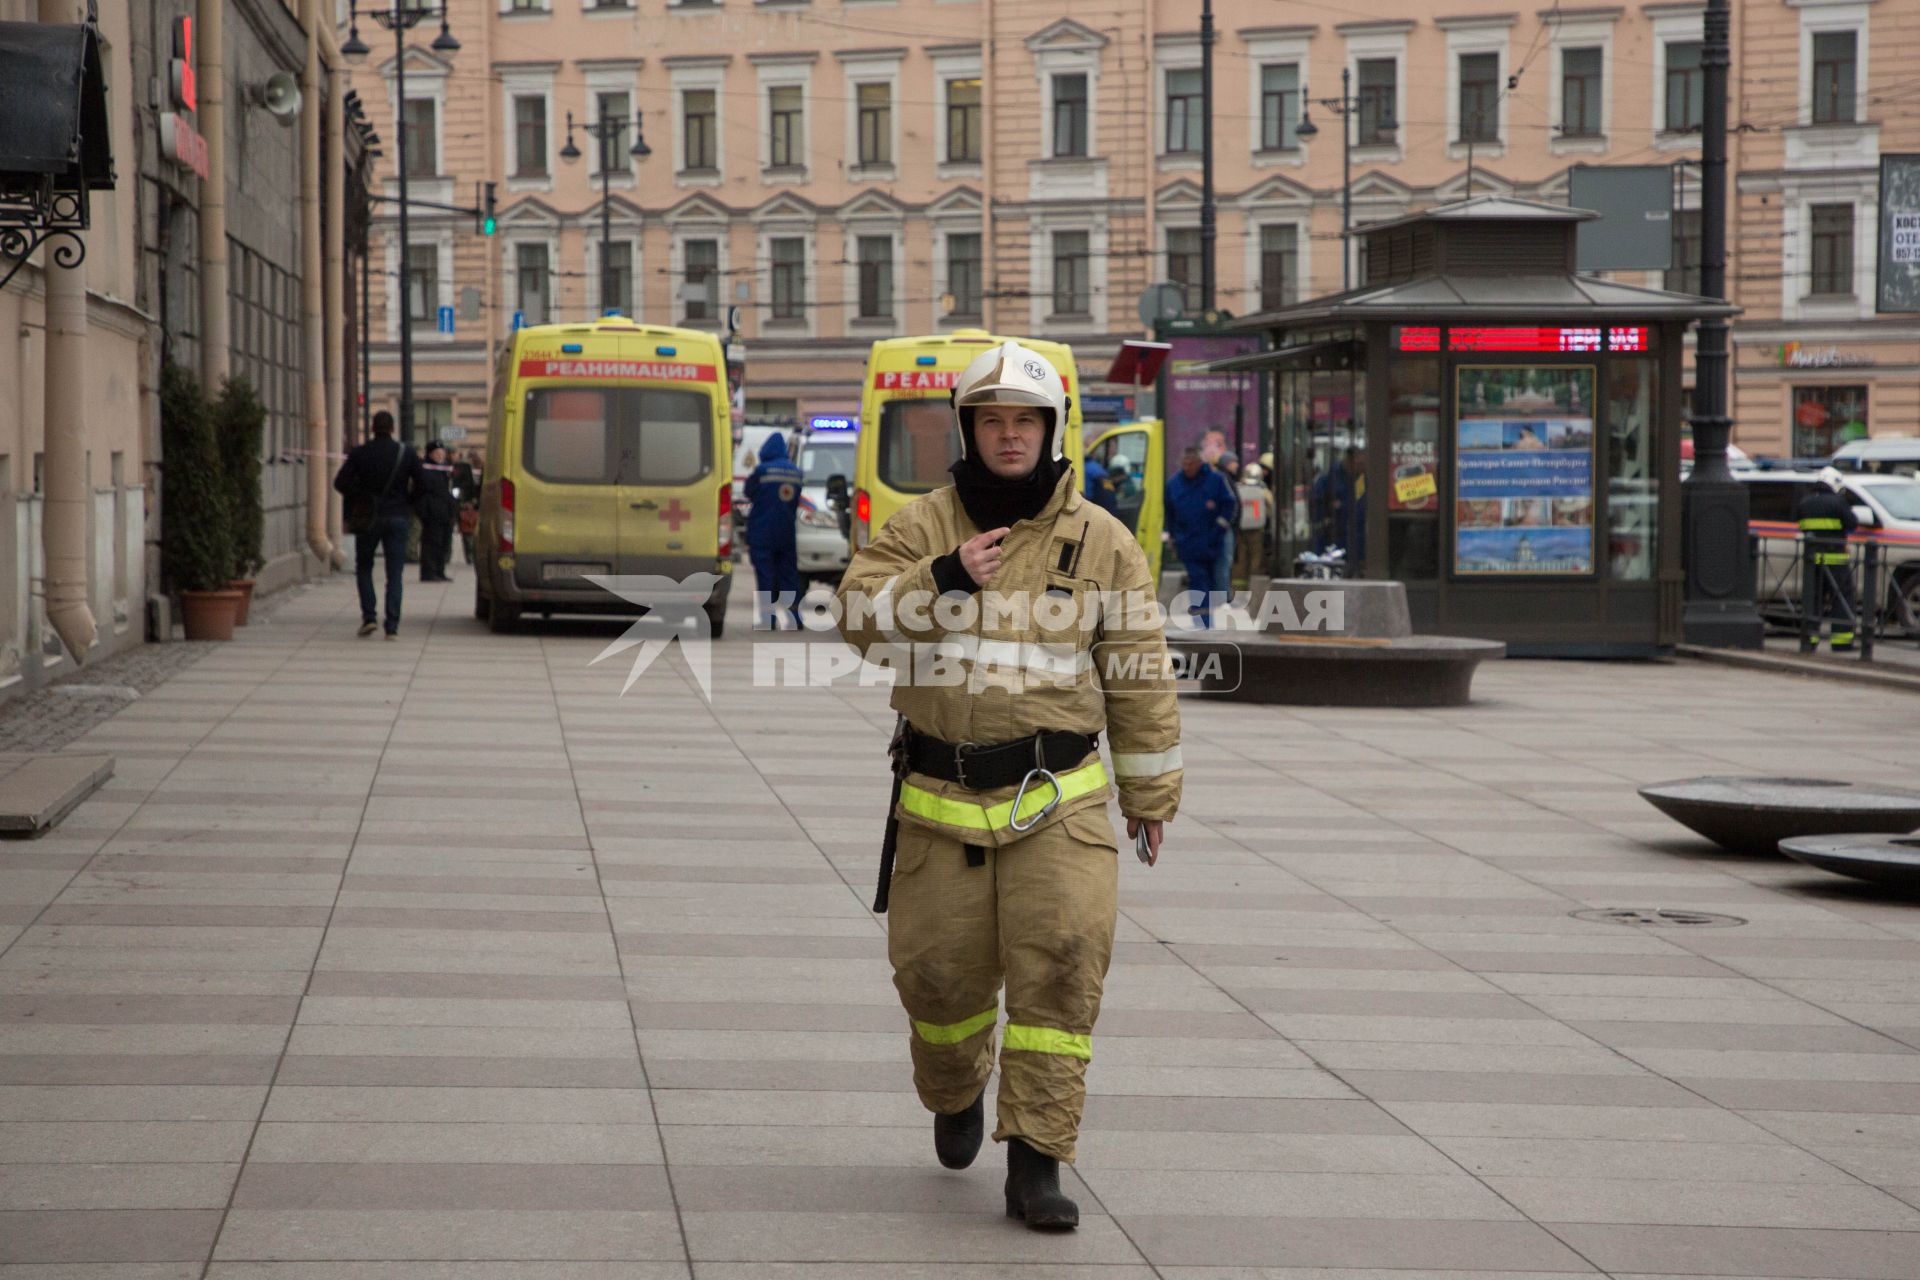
1882,455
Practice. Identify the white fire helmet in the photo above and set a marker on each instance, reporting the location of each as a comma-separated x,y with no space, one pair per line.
1012,374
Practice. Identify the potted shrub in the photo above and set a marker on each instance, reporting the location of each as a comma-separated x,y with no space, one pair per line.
239,430
196,542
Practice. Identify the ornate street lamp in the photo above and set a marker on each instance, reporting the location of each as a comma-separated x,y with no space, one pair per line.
606,131
1346,106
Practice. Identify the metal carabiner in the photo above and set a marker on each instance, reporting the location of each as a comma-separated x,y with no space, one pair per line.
1015,824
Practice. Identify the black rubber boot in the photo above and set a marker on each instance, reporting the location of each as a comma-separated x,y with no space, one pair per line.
1033,1190
956,1137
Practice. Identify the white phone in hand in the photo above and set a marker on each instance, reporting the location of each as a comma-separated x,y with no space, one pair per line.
1141,849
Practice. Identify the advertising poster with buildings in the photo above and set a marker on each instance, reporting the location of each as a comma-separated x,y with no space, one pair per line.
1523,466
1199,406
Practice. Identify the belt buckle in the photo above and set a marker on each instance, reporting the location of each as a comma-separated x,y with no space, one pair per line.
960,763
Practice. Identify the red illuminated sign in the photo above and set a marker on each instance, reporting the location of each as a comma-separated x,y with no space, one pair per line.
1419,338
1531,340
181,67
1627,340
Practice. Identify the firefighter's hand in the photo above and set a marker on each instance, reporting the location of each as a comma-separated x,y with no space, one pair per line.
1154,828
980,555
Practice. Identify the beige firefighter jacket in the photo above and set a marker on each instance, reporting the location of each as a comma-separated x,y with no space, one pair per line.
1064,636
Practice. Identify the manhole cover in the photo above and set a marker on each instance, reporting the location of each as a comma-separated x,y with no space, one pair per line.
1659,918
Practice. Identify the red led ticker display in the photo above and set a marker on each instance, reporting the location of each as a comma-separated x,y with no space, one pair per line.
1523,339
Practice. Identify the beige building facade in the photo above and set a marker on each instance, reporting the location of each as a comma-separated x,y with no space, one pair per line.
842,170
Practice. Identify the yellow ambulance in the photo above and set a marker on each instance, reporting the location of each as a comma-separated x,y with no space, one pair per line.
609,452
907,439
1134,455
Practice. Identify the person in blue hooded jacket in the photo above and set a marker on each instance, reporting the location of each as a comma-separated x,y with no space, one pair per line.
1200,509
1100,488
774,491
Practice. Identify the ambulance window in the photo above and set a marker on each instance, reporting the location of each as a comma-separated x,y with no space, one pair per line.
917,444
668,435
567,436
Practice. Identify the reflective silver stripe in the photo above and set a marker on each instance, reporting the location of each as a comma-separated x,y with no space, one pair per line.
1145,764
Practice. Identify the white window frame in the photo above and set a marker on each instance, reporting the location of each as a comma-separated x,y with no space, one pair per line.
1579,33
629,235
1672,26
511,240
882,67
704,73
764,235
957,213
1818,18
527,84
699,229
1798,196
1084,60
782,72
1471,36
441,238
949,65
1172,53
852,232
1267,50
610,79
541,9
1366,45
1040,279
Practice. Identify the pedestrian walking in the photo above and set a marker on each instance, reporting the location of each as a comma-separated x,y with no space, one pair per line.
1256,509
999,864
376,483
437,505
1200,508
773,489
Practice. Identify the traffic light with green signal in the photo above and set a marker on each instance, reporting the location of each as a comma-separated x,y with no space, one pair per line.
487,222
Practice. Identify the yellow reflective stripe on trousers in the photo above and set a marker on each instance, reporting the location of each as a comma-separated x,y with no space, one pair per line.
1829,557
1085,780
1047,1040
955,1032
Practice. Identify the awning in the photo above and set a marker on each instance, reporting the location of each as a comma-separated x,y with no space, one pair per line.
1255,361
53,107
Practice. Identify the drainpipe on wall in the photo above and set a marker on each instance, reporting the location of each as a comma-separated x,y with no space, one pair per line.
211,87
312,291
335,186
63,519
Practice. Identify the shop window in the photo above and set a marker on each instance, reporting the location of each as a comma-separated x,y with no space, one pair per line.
1824,418
1413,492
1633,485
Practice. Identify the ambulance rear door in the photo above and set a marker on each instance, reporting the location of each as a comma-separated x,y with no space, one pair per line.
671,467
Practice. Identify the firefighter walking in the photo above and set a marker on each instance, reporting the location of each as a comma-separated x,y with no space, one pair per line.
1826,518
1004,868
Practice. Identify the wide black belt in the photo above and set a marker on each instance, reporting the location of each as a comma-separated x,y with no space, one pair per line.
983,767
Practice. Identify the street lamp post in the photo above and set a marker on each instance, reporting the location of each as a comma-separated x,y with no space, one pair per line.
1346,106
1209,233
605,131
400,19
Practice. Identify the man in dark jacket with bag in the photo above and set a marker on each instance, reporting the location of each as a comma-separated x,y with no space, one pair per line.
378,481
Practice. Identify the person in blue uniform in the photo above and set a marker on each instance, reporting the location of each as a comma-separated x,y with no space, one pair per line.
1100,487
774,490
1200,507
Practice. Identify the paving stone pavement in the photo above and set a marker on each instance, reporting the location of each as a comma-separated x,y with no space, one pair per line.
439,959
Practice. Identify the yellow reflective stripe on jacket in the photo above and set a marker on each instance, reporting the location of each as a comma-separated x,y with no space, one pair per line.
1048,1040
1813,523
955,1032
1085,780
1146,764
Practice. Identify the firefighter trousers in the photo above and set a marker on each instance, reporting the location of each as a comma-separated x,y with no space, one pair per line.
1038,917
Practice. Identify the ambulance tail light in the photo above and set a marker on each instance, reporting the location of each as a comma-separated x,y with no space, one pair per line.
506,515
726,521
862,518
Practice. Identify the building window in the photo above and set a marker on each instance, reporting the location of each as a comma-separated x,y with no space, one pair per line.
1183,264
875,257
1184,116
963,119
784,147
789,257
616,277
1279,106
1832,249
1479,97
533,296
1378,86
1834,68
963,273
702,294
1072,287
1279,266
528,6
423,284
1684,275
530,136
423,153
1070,114
433,417
1686,86
615,109
876,123
1580,92
1824,418
699,125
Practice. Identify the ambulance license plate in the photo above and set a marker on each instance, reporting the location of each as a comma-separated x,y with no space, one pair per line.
554,570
